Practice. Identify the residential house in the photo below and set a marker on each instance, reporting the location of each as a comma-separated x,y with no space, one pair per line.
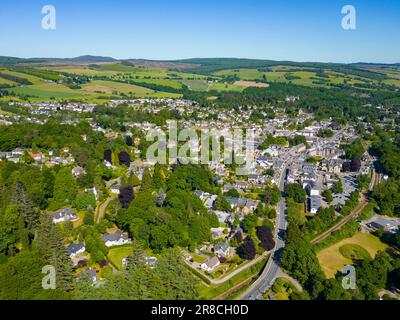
63,215
115,189
78,171
210,264
75,249
314,204
116,238
92,274
222,249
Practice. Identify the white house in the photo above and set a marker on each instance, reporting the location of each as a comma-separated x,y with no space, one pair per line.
210,264
115,189
222,249
75,249
63,215
116,238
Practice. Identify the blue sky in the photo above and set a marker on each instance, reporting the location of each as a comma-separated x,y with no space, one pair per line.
298,30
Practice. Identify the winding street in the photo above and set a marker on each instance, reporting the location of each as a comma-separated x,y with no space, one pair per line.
272,269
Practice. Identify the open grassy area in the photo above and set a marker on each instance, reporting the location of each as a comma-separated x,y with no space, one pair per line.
8,82
116,254
48,90
368,211
196,85
208,292
354,252
296,211
21,75
161,82
110,87
332,260
304,76
81,70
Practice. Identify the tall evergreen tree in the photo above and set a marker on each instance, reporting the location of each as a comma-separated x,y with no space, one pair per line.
20,198
147,181
51,247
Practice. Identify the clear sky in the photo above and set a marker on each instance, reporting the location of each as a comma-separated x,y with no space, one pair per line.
298,30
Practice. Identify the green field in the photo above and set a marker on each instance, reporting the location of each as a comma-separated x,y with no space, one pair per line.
296,211
48,90
91,90
111,87
8,82
196,85
305,77
84,71
332,260
354,252
161,82
115,255
28,77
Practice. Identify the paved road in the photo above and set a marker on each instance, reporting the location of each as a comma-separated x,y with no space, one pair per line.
233,273
102,209
272,268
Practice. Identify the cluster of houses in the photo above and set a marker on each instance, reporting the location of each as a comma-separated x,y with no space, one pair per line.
221,251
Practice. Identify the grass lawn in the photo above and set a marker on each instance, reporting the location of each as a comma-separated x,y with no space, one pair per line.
332,260
116,254
354,252
208,292
198,258
79,222
296,211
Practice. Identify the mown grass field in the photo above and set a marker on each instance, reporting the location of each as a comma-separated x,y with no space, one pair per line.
116,254
110,87
332,260
48,90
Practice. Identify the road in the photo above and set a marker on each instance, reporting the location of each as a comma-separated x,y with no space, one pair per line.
272,269
233,273
101,209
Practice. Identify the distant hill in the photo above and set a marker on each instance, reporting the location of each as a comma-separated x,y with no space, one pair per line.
89,58
13,60
76,60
